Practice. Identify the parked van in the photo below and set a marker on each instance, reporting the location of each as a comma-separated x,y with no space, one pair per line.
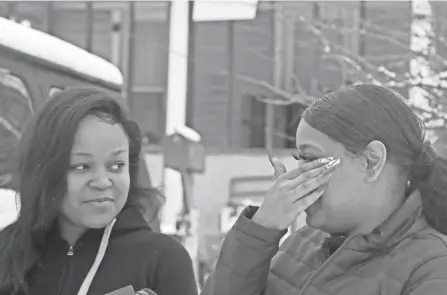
33,67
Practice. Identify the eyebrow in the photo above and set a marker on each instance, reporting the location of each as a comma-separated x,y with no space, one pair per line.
85,154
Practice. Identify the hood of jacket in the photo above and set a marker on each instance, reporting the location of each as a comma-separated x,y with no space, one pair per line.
129,220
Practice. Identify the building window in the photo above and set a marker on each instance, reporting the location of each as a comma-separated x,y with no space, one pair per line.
286,120
255,122
148,110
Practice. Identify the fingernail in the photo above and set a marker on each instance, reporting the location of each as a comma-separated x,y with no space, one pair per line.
333,163
326,160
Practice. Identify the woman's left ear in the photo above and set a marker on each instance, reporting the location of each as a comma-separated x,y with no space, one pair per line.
375,155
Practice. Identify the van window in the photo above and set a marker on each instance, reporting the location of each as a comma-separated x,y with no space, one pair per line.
16,108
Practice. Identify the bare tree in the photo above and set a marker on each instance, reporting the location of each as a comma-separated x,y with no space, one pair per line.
417,71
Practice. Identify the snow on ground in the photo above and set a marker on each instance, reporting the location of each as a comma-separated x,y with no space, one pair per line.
8,207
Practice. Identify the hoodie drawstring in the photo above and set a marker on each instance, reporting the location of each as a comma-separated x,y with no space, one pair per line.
99,257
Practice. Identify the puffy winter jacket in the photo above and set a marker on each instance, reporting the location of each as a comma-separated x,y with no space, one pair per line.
403,256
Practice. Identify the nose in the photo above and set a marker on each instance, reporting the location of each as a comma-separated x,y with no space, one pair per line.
101,181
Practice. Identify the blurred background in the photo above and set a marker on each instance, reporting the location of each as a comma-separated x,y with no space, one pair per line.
251,70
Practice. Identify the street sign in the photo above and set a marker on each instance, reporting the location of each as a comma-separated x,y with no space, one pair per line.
224,10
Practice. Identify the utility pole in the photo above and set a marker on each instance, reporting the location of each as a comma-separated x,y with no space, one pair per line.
116,50
129,55
362,16
89,27
289,65
289,61
50,18
12,11
316,55
346,38
176,100
289,70
277,29
231,78
191,68
177,185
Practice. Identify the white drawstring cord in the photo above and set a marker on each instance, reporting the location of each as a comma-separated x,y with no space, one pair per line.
99,257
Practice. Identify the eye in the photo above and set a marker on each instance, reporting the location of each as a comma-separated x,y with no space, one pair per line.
117,167
305,158
79,167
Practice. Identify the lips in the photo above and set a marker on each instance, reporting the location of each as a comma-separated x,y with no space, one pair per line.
100,200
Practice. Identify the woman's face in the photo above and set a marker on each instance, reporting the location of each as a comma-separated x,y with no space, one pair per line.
98,178
347,200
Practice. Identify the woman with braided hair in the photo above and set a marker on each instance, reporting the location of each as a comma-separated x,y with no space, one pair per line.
375,194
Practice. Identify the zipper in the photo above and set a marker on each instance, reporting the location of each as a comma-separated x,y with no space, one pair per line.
324,265
67,273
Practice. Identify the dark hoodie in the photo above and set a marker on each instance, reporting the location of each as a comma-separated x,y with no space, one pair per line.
135,256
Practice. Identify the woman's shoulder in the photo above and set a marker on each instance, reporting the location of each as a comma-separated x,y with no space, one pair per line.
152,249
165,243
132,229
150,240
167,248
424,258
428,243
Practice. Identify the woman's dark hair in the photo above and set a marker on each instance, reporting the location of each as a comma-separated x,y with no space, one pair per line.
43,160
357,115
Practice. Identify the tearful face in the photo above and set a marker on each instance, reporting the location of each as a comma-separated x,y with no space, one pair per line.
341,208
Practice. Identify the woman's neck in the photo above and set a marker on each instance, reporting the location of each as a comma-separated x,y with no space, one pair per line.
69,231
393,200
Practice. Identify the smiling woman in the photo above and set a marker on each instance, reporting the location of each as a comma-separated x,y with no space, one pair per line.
80,228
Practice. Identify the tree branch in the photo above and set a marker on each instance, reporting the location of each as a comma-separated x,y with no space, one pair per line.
282,97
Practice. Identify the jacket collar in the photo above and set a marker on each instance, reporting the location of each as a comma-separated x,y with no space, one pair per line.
128,220
400,224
